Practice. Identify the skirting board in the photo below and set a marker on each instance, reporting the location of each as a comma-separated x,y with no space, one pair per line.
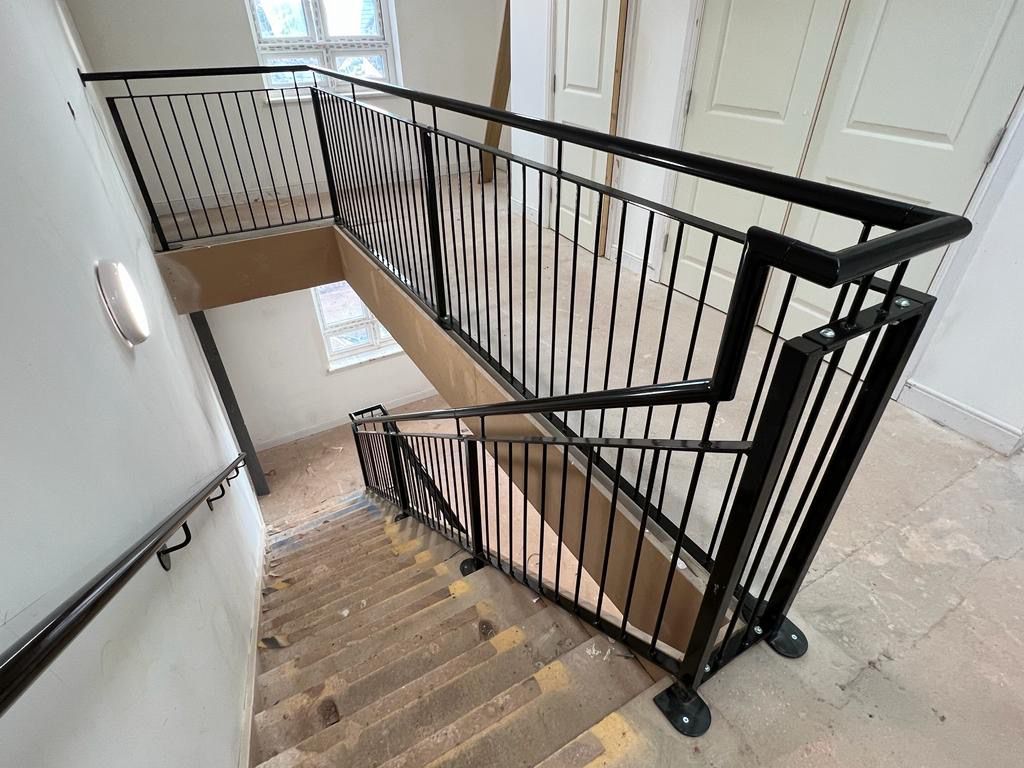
323,427
968,421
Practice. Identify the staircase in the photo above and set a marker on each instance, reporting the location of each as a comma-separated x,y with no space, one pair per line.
375,651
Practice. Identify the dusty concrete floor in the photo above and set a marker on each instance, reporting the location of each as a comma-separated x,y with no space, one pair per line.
914,611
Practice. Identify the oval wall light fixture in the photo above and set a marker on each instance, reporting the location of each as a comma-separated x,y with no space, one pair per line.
122,301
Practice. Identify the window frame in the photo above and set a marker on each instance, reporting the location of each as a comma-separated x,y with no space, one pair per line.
327,48
378,347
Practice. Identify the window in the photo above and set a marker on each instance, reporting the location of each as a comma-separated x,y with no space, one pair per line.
350,36
351,334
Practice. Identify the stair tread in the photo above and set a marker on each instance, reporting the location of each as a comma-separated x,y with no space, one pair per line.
536,718
278,648
486,593
372,734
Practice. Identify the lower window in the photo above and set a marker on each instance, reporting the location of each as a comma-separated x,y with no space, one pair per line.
351,334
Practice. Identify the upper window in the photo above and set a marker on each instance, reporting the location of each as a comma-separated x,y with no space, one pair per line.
351,36
351,334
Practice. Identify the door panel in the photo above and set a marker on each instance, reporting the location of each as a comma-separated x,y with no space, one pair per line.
916,98
585,47
756,84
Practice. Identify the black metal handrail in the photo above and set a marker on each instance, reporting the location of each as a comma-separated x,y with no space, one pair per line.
843,202
415,199
34,651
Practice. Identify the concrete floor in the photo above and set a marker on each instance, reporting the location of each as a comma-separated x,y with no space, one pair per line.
914,611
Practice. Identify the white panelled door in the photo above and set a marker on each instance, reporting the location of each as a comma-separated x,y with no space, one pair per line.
916,99
756,85
585,46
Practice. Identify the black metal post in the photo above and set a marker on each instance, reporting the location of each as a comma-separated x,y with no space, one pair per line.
791,383
434,226
359,452
477,561
227,396
890,359
115,114
398,475
318,112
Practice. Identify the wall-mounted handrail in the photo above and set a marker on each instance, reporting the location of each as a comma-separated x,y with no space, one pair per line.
33,652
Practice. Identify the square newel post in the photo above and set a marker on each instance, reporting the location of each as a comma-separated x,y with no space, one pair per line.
433,225
477,561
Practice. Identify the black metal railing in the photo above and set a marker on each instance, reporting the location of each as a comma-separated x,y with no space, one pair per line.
26,659
641,383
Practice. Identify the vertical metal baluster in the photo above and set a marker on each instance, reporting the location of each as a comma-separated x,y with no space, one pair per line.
561,523
540,270
572,298
266,153
377,186
252,159
295,154
590,311
191,168
467,326
497,259
206,163
526,509
511,303
476,260
336,142
404,219
238,164
305,133
543,510
641,531
522,292
392,240
156,166
497,503
613,309
341,140
636,320
612,511
554,281
698,316
284,165
122,132
440,207
486,265
174,166
422,258
511,514
454,249
583,527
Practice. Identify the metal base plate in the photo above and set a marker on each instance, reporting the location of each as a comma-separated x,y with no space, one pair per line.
469,565
164,559
399,517
684,709
788,640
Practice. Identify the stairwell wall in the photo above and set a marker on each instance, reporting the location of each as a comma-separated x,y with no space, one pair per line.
100,442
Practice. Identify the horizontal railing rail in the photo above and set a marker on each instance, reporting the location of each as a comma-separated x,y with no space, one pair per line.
27,658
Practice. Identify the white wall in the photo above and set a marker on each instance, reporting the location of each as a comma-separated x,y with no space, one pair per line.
100,443
447,47
530,39
274,354
970,374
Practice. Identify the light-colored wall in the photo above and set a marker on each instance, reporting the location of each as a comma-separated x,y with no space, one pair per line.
101,442
274,354
446,47
530,37
970,371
